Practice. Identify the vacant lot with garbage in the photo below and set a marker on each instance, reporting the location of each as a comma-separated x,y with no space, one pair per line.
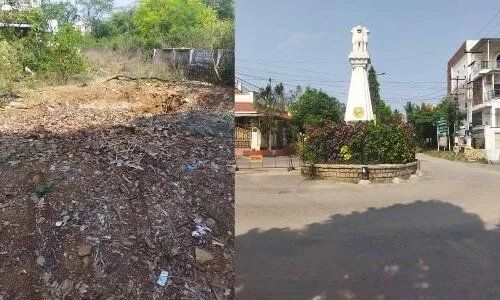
117,189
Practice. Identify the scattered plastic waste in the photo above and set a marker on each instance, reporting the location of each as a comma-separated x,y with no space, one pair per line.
210,222
191,167
42,190
66,219
83,227
201,230
34,197
163,278
217,243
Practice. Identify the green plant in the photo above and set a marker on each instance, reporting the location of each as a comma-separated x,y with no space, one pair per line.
174,23
346,153
11,67
64,56
226,72
384,143
315,107
323,144
363,143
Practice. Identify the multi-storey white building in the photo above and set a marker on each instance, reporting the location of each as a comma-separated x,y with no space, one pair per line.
474,81
7,5
82,27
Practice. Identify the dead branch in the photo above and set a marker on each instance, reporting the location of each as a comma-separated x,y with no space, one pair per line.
124,77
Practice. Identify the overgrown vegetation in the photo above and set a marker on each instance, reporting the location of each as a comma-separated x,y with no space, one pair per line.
40,49
167,23
358,143
33,50
422,119
10,65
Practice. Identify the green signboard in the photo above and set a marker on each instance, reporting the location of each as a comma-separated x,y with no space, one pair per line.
442,127
443,132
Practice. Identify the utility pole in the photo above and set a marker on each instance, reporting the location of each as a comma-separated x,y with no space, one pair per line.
457,107
469,102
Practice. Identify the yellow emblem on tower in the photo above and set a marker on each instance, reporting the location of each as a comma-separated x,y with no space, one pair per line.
359,112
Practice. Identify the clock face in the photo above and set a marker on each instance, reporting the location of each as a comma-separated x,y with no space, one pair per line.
359,112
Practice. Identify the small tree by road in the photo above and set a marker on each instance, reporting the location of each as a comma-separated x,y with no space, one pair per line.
315,107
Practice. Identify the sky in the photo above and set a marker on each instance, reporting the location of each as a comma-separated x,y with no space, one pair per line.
125,3
307,43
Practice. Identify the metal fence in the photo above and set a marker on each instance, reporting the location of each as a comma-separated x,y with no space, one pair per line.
268,162
210,65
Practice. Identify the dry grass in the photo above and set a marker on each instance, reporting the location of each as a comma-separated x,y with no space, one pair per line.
451,155
107,63
104,63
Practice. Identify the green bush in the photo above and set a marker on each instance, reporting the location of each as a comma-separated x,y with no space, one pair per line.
323,144
64,56
359,143
384,143
11,68
226,72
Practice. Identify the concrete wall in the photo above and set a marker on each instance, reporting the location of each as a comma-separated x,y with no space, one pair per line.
492,147
248,98
383,173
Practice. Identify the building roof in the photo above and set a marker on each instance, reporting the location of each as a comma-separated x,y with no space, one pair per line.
244,107
18,25
482,42
249,109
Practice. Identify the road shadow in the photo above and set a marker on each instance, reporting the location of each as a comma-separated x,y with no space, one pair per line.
423,250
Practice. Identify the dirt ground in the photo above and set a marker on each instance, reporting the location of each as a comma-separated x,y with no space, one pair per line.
103,185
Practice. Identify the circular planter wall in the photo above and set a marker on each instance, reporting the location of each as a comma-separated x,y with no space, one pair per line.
382,173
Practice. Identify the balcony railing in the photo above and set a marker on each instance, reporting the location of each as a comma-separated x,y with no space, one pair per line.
492,94
486,65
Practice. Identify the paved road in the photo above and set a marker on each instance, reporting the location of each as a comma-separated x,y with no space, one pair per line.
434,238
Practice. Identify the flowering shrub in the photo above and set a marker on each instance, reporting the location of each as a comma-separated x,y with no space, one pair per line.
323,144
363,143
344,150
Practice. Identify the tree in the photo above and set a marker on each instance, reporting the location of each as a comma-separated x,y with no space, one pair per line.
120,23
292,96
422,121
270,103
397,115
63,12
224,8
448,109
64,56
315,108
10,66
94,10
175,23
382,111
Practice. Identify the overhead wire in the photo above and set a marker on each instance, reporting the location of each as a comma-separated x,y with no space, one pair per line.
488,23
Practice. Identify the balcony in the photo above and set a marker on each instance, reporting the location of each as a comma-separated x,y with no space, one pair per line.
485,66
492,94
